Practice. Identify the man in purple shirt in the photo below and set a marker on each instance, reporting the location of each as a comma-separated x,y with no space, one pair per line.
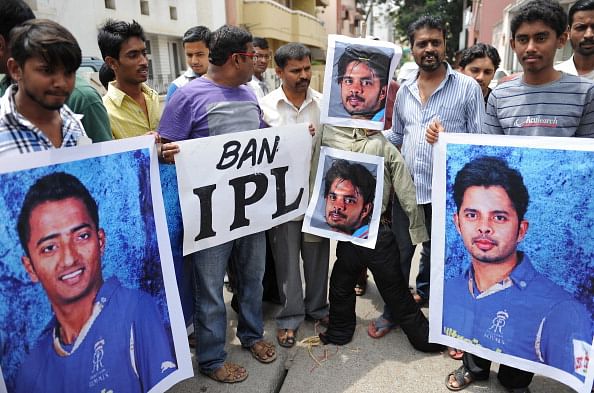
220,103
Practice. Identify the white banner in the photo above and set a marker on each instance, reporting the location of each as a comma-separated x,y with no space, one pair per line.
237,184
512,267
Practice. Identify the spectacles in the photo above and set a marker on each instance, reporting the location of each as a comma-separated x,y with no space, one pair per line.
261,57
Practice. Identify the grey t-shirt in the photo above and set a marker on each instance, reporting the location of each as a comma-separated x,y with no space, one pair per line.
561,108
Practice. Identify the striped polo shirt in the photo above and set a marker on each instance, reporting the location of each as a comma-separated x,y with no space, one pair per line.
564,108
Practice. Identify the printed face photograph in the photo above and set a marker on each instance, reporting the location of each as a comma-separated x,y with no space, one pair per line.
345,207
358,81
89,278
517,276
64,250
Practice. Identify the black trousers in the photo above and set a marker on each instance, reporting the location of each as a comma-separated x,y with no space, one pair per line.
382,262
509,377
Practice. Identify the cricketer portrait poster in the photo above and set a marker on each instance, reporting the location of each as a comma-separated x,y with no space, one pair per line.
346,201
89,298
357,81
512,276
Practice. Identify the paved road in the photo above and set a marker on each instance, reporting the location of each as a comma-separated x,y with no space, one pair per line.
365,365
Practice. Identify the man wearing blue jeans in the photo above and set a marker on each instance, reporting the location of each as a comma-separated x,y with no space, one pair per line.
219,103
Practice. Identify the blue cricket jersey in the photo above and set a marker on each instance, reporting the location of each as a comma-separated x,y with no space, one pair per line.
525,315
123,347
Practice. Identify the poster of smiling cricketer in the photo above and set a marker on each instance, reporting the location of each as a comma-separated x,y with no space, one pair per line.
89,299
356,85
513,252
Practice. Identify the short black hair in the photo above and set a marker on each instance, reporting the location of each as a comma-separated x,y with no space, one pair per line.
354,172
12,14
47,40
197,34
54,187
113,33
425,21
488,171
548,12
375,59
225,41
478,51
260,42
580,5
106,75
291,51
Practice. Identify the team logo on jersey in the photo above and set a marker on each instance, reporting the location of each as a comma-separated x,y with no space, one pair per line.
495,331
98,371
581,356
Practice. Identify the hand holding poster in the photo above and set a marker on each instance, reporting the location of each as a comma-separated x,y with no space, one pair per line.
344,196
88,288
511,293
356,86
242,183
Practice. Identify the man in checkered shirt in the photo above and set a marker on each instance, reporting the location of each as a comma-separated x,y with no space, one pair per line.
33,117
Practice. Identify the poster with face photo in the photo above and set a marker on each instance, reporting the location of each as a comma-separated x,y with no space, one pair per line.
513,278
89,298
346,202
356,81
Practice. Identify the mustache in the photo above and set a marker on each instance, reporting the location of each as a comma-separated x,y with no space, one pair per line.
484,237
355,96
427,54
587,41
338,213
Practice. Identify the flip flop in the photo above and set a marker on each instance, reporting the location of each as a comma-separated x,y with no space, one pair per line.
263,351
378,328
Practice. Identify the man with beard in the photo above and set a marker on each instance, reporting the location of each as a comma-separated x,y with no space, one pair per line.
84,100
501,302
296,102
581,37
438,97
33,116
219,103
349,190
132,106
363,80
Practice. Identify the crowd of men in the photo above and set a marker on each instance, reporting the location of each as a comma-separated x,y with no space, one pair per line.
225,90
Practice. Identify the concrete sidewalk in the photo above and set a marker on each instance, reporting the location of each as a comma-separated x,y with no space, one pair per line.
387,365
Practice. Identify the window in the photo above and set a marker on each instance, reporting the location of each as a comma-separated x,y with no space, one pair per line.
173,13
110,4
144,7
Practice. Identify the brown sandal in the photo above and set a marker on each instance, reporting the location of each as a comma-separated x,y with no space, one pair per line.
263,351
228,373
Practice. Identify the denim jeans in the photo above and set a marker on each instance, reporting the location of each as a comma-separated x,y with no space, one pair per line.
210,317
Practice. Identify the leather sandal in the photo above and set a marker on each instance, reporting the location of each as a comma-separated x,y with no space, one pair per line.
228,373
285,337
263,351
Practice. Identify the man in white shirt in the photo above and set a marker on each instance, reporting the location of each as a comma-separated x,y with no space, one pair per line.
295,102
581,36
261,59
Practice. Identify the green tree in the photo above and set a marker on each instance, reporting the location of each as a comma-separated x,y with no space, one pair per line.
405,12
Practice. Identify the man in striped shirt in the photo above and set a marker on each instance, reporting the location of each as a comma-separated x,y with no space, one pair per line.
542,102
437,97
